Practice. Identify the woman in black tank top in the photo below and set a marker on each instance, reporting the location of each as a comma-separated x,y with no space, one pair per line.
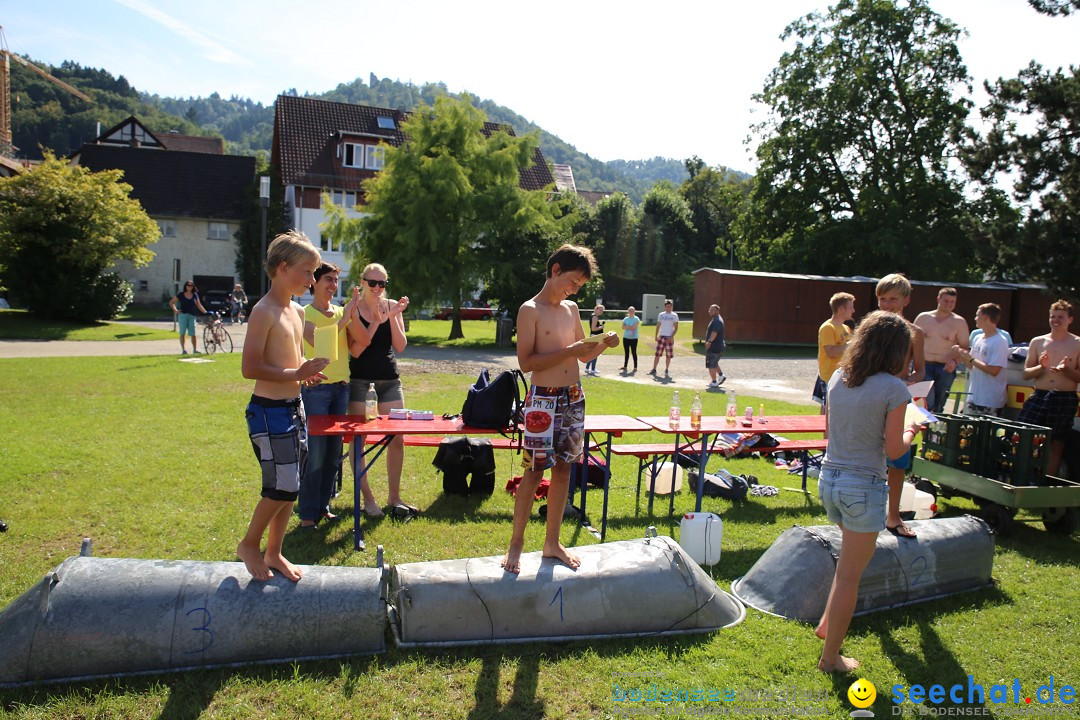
375,362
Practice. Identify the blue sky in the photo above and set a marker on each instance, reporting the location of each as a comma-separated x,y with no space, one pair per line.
626,79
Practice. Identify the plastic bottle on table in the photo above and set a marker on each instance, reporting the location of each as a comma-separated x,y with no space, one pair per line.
371,407
732,408
675,413
695,412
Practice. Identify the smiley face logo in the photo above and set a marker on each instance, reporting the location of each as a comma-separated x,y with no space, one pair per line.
862,693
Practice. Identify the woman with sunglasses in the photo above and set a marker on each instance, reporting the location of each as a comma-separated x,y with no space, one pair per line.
376,363
185,314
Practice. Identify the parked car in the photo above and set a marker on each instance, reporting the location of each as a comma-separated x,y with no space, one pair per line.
216,301
467,313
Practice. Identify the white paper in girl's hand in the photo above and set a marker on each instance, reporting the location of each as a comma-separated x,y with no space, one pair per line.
916,414
920,389
326,344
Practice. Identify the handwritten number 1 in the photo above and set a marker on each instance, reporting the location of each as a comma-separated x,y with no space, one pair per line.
558,596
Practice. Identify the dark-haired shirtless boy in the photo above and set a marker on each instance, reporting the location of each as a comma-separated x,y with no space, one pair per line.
550,344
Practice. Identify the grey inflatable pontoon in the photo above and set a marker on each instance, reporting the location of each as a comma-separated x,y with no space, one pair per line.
100,617
632,588
793,577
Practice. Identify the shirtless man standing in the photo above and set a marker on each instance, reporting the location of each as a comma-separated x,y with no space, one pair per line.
550,344
943,328
1053,362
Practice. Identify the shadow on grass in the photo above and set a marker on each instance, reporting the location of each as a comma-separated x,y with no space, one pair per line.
934,659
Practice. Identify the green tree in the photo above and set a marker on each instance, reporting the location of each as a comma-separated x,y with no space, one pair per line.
664,234
854,165
61,229
716,196
1044,160
445,205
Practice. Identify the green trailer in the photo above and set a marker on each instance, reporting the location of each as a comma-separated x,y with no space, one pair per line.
1056,499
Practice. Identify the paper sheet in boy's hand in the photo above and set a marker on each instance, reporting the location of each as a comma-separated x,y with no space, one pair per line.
326,344
593,338
920,389
916,414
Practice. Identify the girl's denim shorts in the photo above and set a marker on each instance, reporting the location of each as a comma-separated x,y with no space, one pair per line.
855,501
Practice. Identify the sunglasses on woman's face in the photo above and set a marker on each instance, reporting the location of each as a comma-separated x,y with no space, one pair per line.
376,283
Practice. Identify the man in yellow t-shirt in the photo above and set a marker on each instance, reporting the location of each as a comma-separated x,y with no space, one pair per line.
832,336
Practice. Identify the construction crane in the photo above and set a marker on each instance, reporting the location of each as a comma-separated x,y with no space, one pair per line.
6,148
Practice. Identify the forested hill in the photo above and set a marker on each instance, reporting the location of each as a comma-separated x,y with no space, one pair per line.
44,115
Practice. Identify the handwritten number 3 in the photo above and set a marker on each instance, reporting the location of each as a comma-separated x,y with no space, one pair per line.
208,637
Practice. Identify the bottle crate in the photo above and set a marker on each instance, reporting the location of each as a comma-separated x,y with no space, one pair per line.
955,440
1015,453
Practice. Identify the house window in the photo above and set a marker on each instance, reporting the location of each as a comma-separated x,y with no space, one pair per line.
217,231
143,285
176,270
325,242
375,157
168,228
339,199
386,123
354,155
350,200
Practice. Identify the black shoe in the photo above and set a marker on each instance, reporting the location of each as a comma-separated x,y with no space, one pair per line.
3,526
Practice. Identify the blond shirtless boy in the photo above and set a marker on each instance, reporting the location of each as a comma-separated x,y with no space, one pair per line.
1053,364
893,295
274,359
550,346
944,329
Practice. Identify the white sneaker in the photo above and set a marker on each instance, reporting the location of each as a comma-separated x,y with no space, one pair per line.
720,380
714,383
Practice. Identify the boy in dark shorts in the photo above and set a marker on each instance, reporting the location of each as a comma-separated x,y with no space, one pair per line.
274,359
550,344
1053,366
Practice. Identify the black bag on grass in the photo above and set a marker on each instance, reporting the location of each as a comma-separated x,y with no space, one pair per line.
722,485
460,457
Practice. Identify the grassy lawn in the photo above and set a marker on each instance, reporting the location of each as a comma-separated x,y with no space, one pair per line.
149,457
21,325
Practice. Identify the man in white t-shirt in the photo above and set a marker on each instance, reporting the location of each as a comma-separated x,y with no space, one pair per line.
987,361
667,324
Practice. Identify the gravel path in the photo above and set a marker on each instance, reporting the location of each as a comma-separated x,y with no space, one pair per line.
789,380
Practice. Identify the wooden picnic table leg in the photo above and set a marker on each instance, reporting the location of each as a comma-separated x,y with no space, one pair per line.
357,463
702,462
360,469
607,485
674,474
583,467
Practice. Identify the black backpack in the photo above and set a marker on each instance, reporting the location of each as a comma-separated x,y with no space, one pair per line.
460,457
493,404
722,485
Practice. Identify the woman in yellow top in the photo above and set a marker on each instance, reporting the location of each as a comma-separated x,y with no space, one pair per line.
330,397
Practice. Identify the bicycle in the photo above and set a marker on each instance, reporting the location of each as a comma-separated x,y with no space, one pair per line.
215,336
